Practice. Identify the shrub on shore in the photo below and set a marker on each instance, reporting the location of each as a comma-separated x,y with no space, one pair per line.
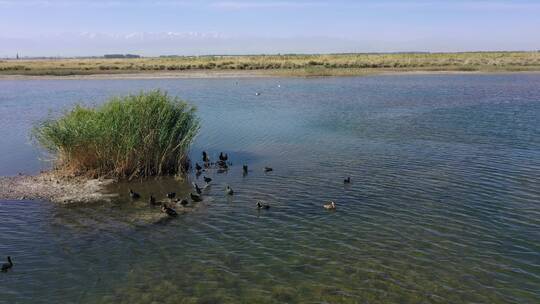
132,136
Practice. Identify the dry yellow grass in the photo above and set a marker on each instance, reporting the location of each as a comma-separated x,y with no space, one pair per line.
294,65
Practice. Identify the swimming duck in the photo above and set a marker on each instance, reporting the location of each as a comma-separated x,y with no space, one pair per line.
7,265
134,195
195,197
198,167
197,188
184,202
222,164
330,206
347,180
262,206
207,179
229,190
268,169
170,211
171,195
205,157
257,94
245,169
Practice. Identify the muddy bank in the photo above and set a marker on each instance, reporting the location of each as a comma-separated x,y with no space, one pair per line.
48,186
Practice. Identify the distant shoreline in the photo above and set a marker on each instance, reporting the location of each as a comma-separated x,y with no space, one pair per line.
270,66
251,74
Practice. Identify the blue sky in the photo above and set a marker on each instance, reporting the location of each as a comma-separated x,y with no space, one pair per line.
78,27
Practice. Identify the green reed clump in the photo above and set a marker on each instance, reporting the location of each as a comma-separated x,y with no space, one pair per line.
132,136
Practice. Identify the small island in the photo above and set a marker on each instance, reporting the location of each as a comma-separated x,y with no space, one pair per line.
134,136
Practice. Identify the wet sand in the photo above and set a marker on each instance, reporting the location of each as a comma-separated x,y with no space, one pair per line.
48,186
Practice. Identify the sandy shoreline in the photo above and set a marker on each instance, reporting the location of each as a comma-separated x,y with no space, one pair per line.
49,187
242,74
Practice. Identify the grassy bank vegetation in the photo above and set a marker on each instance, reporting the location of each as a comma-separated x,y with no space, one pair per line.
133,136
294,65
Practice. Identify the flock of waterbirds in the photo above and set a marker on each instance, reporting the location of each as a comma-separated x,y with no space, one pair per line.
168,207
222,165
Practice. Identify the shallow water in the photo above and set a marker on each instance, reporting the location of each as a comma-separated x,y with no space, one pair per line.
444,206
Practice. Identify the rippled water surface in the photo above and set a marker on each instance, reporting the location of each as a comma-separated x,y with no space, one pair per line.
444,206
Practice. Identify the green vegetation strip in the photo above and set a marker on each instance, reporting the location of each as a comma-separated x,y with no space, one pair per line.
293,65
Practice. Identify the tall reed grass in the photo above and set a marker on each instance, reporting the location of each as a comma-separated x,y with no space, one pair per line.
132,136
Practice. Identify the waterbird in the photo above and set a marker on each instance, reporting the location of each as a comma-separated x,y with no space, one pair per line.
198,167
330,206
207,179
197,188
153,201
268,169
134,195
262,206
205,157
223,165
223,157
171,195
170,211
184,202
7,265
229,190
347,180
195,197
257,94
245,169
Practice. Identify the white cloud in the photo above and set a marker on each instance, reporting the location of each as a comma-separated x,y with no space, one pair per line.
266,4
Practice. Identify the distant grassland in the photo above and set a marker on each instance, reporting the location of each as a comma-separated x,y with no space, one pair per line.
284,65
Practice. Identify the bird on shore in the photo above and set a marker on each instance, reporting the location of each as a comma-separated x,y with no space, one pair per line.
153,201
195,197
229,190
347,180
205,157
268,169
223,156
171,195
197,188
207,179
134,195
330,206
8,265
262,206
170,211
245,169
198,167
